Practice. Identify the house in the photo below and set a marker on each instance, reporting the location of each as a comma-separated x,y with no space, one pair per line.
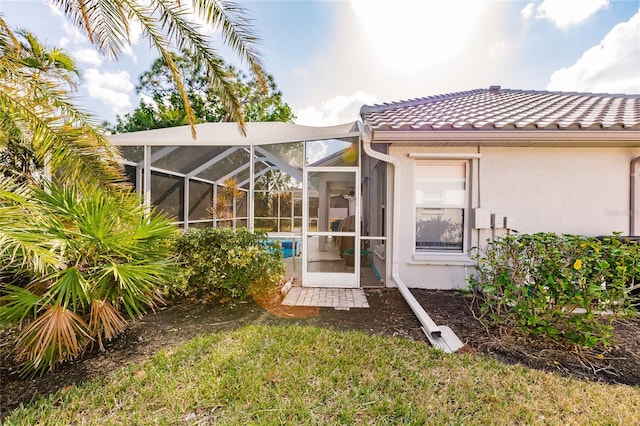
428,178
413,186
467,167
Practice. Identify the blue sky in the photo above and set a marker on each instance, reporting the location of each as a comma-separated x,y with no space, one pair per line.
330,57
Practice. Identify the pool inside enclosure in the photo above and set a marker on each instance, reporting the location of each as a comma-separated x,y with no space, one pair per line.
304,186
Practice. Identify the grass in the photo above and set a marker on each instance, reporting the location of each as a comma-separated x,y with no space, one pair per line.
307,375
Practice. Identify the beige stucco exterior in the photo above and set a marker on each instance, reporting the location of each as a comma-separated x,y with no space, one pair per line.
577,190
564,190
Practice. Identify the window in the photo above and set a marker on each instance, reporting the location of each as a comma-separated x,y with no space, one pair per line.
441,199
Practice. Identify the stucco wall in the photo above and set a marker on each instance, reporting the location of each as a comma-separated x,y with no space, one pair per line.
442,273
563,190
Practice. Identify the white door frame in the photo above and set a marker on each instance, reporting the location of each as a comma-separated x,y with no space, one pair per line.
330,279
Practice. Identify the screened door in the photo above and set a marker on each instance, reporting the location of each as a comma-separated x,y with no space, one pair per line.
331,231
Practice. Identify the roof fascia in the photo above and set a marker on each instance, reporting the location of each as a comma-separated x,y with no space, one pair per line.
247,142
506,137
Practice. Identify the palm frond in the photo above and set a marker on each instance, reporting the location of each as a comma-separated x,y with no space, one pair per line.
8,40
107,23
69,289
37,106
103,21
23,241
105,320
72,151
133,286
57,335
150,29
174,21
232,189
237,31
17,304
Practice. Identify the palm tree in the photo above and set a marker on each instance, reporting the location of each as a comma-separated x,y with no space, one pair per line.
169,26
103,258
228,195
81,254
39,122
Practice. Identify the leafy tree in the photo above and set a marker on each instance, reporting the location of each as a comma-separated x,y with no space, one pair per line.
167,24
167,109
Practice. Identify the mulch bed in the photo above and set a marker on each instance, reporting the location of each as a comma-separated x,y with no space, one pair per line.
617,364
388,315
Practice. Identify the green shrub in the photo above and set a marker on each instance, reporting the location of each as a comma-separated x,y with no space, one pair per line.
221,261
557,286
76,262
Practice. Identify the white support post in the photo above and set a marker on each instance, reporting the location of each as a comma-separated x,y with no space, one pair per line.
185,210
250,198
278,212
147,177
140,180
234,216
213,203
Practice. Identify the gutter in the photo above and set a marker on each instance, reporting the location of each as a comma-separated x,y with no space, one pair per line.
555,138
441,337
634,202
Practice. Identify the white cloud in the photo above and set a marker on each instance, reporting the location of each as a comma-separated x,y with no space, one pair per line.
54,9
148,100
87,56
300,73
612,66
564,13
73,36
339,109
528,10
316,151
111,88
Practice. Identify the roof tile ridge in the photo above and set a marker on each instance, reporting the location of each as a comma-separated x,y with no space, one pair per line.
582,93
367,109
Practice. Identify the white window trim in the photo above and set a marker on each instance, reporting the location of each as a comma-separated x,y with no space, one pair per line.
442,257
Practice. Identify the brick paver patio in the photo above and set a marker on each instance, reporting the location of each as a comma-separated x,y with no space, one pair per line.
339,298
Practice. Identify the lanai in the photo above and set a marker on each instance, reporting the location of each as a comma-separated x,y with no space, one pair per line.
301,184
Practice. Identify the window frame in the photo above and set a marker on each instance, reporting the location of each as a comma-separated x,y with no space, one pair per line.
434,254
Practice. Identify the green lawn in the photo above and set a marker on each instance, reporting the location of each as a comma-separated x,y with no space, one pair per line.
307,375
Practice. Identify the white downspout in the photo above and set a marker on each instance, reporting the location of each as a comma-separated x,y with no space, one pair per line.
634,199
433,332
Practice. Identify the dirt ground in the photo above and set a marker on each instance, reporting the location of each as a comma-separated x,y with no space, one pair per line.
388,314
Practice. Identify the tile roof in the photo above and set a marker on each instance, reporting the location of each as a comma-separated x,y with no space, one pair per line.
506,109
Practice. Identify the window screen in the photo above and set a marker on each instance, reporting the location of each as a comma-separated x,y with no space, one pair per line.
440,197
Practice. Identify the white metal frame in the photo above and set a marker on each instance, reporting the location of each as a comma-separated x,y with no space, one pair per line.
330,279
258,135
